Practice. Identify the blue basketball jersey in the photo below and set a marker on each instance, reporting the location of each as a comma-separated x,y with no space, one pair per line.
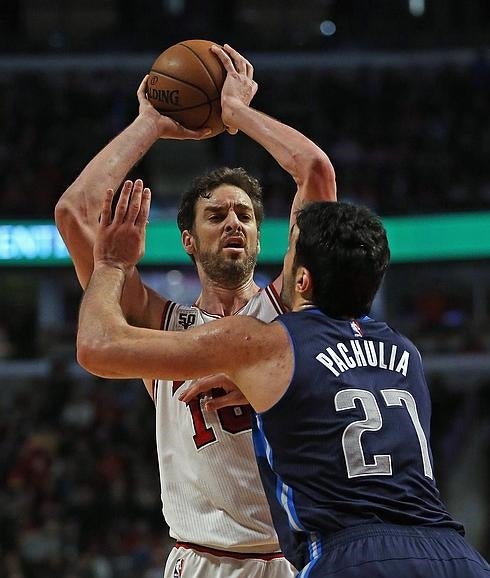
348,443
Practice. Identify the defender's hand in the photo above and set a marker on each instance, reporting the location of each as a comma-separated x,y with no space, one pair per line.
232,396
120,240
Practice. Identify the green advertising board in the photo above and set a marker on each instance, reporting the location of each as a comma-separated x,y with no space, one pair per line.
428,238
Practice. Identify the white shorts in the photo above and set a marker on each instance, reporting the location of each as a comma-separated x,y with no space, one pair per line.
192,561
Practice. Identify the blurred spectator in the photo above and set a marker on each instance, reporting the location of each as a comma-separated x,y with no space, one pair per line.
406,140
79,496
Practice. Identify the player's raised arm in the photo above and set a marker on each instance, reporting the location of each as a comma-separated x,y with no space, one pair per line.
77,212
308,165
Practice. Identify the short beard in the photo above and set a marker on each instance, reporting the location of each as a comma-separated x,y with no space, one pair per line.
227,273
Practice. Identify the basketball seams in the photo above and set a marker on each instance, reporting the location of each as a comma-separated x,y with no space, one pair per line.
186,68
195,86
208,102
203,62
176,111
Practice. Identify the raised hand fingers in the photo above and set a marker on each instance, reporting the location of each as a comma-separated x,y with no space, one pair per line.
233,61
122,203
144,213
135,202
106,214
225,59
122,241
133,206
242,65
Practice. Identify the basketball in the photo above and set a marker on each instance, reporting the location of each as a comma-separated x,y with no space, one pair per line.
185,83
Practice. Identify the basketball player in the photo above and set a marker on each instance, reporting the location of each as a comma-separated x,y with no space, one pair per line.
343,409
223,527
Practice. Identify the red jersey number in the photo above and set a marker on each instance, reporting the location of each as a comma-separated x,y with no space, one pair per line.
233,419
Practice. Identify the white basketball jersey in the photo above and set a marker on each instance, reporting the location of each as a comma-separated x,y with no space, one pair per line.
211,490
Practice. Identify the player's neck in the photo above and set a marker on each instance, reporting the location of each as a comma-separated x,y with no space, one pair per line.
300,303
225,301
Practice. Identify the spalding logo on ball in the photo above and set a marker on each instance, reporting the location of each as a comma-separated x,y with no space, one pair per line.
185,83
160,95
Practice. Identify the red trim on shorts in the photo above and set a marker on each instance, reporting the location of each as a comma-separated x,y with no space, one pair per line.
227,554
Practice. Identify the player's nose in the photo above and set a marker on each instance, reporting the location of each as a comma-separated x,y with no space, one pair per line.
232,221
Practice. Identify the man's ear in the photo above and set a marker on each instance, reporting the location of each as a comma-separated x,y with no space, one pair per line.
188,242
304,282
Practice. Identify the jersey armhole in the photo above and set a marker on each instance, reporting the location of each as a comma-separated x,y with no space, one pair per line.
275,299
164,324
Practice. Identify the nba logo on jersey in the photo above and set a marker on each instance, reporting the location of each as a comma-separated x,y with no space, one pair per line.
356,328
179,568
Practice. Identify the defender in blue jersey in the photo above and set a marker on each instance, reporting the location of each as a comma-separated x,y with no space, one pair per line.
343,409
345,453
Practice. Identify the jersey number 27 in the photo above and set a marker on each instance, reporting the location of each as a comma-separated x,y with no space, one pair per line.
351,438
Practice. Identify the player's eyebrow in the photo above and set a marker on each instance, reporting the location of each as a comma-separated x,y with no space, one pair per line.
222,207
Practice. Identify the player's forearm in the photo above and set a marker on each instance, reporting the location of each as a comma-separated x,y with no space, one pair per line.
107,169
294,152
100,320
108,346
77,212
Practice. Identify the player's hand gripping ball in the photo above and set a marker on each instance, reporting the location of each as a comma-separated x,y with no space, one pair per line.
185,84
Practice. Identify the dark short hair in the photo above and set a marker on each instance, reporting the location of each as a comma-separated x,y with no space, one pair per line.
345,248
204,185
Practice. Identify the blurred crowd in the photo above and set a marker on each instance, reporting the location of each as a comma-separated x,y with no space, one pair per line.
51,125
105,25
405,140
79,489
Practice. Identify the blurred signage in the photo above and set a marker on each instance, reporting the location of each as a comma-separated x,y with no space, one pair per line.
428,238
31,244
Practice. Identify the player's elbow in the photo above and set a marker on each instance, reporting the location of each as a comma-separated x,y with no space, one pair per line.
64,215
320,181
69,211
324,173
93,356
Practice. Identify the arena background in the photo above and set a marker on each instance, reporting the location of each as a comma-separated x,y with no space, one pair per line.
396,92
